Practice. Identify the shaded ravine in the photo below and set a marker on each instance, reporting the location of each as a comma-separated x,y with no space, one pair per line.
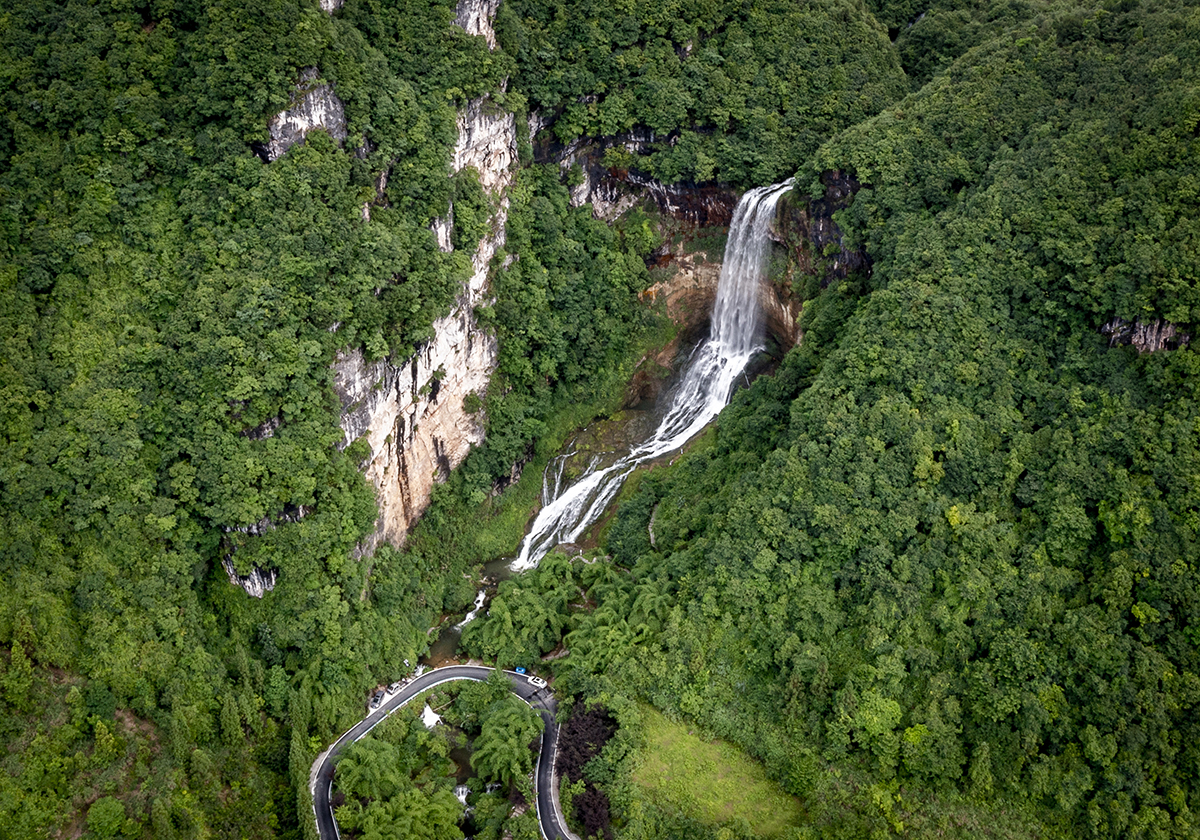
715,365
551,822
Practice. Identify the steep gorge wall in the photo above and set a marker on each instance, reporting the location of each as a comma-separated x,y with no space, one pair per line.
415,412
418,415
688,208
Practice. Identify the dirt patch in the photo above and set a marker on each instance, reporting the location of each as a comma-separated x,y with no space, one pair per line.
130,724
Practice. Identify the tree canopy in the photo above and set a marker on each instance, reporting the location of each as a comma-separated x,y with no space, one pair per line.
939,567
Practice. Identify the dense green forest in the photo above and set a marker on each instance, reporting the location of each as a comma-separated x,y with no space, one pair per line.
946,556
938,572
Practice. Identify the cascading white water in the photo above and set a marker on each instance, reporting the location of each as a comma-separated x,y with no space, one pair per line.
480,599
704,391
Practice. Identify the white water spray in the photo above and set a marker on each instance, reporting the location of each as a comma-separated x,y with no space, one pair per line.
480,599
704,391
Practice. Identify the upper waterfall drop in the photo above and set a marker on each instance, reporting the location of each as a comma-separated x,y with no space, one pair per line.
707,385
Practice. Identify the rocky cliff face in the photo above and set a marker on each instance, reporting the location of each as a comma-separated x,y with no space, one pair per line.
476,16
420,415
416,416
1145,336
611,191
315,106
816,243
781,314
688,294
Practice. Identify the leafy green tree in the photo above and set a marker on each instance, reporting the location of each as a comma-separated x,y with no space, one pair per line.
502,750
106,817
17,679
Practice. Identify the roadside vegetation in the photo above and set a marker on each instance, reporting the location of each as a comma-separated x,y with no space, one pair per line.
400,780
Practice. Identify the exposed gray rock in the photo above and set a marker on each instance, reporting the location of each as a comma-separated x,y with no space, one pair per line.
487,140
613,191
475,17
414,412
442,228
1145,336
264,430
806,226
315,106
331,6
260,581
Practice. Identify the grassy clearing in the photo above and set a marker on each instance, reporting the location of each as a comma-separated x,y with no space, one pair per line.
710,780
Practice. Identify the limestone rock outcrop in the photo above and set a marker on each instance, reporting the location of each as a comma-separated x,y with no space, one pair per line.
612,190
1144,336
476,16
421,415
688,293
781,311
487,140
257,584
806,227
417,416
259,581
315,106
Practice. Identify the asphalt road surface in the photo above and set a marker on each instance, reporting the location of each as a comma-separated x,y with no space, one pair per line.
550,818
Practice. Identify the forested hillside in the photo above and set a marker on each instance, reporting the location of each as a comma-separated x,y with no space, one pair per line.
938,571
950,549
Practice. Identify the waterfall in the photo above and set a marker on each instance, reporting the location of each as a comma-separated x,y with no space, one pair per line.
705,389
480,598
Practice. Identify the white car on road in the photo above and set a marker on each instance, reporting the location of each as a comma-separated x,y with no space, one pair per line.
536,682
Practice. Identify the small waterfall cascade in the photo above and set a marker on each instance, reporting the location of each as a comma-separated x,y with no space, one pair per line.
480,599
704,390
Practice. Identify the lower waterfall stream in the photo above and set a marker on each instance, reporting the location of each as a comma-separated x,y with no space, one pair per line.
704,390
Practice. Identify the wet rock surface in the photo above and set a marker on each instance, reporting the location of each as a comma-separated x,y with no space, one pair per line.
816,243
613,190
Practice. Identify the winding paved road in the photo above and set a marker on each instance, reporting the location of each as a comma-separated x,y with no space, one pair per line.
550,818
